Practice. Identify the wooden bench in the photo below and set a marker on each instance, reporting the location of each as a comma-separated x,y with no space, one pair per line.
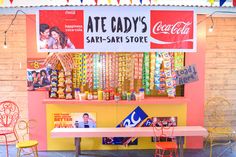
180,132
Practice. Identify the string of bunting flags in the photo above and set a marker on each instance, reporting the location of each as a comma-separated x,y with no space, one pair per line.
221,2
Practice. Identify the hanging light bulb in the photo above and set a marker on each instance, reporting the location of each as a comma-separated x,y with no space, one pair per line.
5,40
212,25
5,45
211,29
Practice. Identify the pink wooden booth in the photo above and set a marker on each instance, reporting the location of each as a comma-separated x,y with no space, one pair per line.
193,92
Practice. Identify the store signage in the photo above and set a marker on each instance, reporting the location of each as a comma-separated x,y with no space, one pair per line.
172,33
116,29
187,74
134,119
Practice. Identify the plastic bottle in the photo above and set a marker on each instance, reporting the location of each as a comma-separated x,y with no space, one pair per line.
133,96
141,92
77,93
128,96
100,95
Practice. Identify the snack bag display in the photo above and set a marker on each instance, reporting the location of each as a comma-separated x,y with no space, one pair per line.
53,84
61,85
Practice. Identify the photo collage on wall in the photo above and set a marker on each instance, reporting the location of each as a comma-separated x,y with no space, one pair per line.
38,75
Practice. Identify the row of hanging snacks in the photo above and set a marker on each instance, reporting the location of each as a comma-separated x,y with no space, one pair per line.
84,69
68,84
89,61
76,70
122,71
116,71
96,72
107,74
169,73
146,73
178,60
61,85
152,69
157,74
111,70
102,77
53,84
132,72
138,65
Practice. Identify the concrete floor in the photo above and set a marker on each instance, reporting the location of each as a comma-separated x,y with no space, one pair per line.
123,153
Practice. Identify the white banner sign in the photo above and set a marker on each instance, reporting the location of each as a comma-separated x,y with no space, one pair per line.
116,29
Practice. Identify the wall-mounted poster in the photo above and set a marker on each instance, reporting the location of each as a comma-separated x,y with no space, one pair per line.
75,120
61,29
38,75
134,119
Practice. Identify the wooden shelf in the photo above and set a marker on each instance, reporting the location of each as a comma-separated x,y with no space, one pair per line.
148,101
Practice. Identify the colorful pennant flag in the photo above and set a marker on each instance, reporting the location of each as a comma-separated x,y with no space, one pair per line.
68,1
81,1
11,1
211,1
1,2
234,3
222,2
109,1
130,1
141,1
96,1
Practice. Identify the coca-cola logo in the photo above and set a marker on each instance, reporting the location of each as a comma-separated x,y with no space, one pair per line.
180,27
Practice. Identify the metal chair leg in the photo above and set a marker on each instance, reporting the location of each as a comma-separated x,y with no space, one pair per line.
211,147
206,141
36,151
7,154
18,152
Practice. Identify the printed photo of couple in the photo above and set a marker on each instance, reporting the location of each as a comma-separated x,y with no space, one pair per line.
53,38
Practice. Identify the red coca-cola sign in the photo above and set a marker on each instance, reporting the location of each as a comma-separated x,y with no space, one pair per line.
172,29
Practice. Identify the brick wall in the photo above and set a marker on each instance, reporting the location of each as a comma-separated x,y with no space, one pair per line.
12,74
220,77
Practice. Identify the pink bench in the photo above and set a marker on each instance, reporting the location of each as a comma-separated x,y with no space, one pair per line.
180,132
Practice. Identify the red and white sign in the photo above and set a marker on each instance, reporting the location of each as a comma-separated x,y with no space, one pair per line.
116,29
172,29
64,26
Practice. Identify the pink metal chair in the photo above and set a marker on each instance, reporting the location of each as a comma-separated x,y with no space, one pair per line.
9,115
166,146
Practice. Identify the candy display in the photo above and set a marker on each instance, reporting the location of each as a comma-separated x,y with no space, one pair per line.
105,76
61,85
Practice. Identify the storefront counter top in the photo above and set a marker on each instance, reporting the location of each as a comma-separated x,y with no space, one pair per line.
148,100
